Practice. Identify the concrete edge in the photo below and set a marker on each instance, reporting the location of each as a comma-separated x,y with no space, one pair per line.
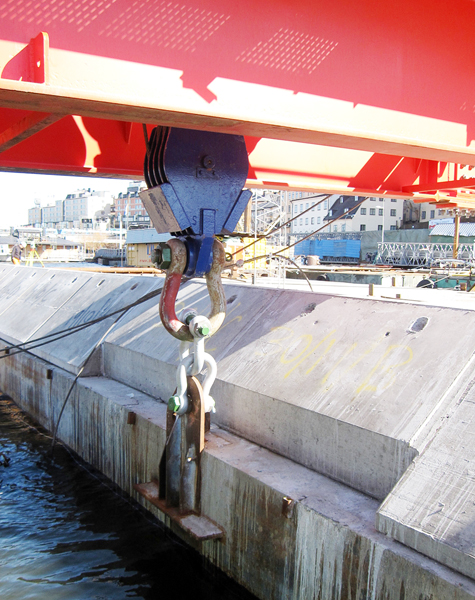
422,542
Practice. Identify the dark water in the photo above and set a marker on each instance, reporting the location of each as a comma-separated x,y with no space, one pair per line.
67,534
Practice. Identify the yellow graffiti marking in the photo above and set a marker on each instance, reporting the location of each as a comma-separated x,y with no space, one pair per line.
307,354
319,360
290,334
388,369
370,349
286,361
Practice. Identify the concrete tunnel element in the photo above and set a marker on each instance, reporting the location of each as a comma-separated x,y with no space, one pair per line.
357,410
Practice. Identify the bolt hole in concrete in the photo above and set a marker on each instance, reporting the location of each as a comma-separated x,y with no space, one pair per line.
308,309
134,286
231,300
67,533
418,325
52,276
100,282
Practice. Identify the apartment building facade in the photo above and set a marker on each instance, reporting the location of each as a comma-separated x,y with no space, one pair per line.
128,206
83,209
346,214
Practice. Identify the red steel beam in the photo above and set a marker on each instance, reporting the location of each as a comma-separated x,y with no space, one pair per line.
442,185
352,75
355,84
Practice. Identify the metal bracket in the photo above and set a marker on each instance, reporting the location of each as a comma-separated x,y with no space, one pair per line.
177,492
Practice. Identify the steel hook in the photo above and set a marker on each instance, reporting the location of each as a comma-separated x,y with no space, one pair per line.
172,283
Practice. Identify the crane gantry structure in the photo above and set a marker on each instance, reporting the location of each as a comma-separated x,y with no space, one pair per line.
371,98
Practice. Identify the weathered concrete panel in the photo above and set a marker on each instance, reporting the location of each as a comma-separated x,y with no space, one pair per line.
51,288
326,548
339,385
432,509
55,300
17,283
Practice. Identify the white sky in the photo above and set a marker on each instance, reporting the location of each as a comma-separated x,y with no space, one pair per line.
19,190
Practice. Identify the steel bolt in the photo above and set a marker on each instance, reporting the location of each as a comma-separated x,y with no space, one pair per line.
163,256
208,162
203,330
174,403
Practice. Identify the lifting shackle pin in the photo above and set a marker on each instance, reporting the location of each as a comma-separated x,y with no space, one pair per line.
172,283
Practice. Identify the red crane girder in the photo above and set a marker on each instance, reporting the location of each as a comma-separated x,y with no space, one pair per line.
369,97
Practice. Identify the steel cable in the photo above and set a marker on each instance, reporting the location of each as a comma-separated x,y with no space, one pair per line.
274,254
263,237
63,333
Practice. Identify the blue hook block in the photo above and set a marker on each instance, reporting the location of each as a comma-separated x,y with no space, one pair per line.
201,175
195,181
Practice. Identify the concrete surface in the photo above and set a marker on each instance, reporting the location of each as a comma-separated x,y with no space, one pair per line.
336,384
345,388
326,547
38,302
432,508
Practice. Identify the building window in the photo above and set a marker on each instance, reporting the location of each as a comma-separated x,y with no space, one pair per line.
373,199
306,206
296,208
372,211
380,228
363,211
432,214
325,204
381,199
393,227
330,212
393,199
335,227
319,206
423,216
380,212
343,227
362,227
319,220
312,222
345,210
306,221
441,212
301,221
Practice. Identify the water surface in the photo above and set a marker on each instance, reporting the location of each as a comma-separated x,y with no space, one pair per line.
67,534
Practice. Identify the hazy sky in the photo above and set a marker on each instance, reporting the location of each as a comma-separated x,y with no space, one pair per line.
19,190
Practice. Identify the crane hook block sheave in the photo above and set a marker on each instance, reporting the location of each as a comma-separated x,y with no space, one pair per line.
195,190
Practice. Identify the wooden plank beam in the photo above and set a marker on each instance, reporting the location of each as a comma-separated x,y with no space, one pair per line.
25,128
